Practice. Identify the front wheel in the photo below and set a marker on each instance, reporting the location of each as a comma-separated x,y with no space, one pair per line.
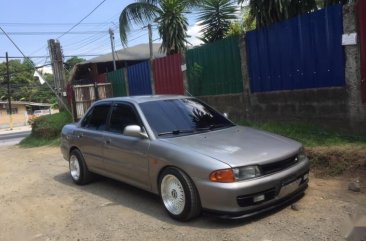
179,195
78,170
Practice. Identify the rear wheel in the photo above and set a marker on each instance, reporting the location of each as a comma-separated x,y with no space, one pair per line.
179,195
78,169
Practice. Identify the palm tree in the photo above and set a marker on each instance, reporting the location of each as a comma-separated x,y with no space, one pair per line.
266,12
169,15
215,16
329,2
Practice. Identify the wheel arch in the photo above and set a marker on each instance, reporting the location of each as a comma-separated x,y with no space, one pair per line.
178,168
72,149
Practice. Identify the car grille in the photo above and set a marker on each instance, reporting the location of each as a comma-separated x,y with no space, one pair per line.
278,166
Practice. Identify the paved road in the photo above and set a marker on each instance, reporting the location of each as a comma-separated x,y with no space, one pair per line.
13,138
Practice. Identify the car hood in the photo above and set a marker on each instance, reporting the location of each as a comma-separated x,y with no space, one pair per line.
238,146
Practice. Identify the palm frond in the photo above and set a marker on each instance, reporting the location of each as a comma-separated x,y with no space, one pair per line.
141,12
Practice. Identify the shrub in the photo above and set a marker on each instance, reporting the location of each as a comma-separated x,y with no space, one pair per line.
50,126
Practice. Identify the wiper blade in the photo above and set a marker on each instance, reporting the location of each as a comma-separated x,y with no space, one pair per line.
175,132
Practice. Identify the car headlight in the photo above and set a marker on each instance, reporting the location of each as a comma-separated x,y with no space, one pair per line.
235,174
301,156
248,172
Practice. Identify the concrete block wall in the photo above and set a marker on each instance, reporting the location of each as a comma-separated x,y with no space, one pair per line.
231,104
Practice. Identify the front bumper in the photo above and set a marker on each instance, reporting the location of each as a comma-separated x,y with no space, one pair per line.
251,197
255,211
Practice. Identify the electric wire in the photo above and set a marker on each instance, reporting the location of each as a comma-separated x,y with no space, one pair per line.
74,26
54,92
68,31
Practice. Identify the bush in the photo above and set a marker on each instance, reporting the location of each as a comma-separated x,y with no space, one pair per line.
50,126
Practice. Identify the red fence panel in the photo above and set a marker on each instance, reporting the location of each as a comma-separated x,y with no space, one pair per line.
168,75
361,10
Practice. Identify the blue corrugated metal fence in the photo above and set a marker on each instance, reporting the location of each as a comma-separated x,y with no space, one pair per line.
139,82
303,52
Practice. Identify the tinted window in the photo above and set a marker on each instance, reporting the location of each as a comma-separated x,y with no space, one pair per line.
122,116
182,115
96,119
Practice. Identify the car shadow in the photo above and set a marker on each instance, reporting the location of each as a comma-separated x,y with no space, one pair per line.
119,193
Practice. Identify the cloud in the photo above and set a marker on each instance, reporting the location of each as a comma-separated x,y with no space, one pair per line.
194,32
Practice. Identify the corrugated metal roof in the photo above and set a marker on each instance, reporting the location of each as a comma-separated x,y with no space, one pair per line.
138,52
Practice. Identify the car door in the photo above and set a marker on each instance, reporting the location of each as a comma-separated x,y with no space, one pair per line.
126,156
90,135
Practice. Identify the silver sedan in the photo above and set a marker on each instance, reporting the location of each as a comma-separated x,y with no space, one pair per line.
188,153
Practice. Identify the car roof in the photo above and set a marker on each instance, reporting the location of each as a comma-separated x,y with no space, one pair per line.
144,98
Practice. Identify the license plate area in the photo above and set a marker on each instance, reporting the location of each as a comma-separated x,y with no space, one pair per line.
289,188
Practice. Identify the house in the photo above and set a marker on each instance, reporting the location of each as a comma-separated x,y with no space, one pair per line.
92,70
21,110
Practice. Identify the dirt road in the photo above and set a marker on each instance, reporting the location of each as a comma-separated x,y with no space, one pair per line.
38,201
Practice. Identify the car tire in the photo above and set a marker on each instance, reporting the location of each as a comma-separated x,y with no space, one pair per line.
78,170
179,195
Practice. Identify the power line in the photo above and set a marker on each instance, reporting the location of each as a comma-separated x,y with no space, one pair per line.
55,33
74,26
41,57
49,86
50,24
81,20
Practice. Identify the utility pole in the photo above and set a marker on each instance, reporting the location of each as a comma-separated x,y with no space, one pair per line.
9,94
151,59
58,72
111,34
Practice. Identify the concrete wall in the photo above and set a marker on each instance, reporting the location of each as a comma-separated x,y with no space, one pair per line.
19,119
356,109
338,108
231,104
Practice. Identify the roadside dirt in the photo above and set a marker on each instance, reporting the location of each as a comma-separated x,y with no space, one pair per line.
38,201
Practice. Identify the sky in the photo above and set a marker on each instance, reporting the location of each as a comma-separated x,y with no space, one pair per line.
56,17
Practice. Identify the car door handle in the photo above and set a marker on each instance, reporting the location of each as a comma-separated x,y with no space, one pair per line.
107,142
79,135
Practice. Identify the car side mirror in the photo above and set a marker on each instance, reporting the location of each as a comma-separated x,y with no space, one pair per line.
135,131
226,115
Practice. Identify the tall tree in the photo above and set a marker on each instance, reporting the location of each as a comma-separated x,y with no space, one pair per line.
23,86
215,17
169,15
71,62
266,12
242,25
325,3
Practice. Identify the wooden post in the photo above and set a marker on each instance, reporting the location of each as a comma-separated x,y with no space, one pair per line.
151,60
58,72
9,94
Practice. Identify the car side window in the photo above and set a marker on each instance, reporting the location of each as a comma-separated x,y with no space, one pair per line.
122,116
96,119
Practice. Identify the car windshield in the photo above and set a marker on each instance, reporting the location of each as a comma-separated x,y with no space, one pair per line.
182,116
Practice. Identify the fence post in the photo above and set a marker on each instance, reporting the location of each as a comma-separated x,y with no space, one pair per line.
245,76
356,109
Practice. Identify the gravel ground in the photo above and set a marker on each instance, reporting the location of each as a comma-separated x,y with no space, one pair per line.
38,201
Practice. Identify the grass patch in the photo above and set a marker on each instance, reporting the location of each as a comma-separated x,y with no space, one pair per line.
46,130
31,141
308,135
336,160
